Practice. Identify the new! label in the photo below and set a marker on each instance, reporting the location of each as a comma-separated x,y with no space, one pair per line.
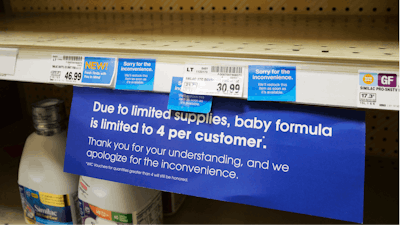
98,70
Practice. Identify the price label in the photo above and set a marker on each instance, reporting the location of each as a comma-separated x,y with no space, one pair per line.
378,90
367,97
66,68
213,80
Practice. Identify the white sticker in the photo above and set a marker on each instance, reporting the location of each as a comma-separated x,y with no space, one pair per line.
213,80
66,69
8,59
378,90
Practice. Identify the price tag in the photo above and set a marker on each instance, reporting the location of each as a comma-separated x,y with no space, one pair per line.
75,69
66,68
213,80
378,90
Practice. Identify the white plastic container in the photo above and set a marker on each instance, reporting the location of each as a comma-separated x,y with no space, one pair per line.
48,194
107,202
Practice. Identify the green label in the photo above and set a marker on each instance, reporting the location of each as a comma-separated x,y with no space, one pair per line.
122,218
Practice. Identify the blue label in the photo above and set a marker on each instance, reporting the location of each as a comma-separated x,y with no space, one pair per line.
295,158
98,70
272,83
136,74
35,211
184,102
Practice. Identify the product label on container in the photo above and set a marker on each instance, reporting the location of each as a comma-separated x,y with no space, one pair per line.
151,214
45,208
243,152
213,80
136,74
91,214
75,69
272,83
378,90
184,102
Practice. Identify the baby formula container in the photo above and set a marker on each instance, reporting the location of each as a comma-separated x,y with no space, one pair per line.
107,202
48,194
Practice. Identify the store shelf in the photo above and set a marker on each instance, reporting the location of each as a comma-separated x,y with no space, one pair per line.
328,41
328,51
237,36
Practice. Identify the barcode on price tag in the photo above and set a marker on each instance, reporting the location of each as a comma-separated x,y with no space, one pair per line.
72,58
234,70
213,80
66,69
378,89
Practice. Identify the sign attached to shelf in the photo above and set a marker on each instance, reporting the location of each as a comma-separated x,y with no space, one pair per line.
213,80
378,90
295,158
272,83
136,74
8,60
184,102
75,69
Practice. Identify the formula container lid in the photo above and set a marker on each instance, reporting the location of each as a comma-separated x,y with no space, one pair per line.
49,116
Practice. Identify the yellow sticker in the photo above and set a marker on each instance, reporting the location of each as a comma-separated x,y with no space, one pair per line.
368,79
54,200
34,195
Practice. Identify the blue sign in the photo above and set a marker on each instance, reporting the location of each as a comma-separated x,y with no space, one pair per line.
136,74
272,83
98,70
185,102
296,158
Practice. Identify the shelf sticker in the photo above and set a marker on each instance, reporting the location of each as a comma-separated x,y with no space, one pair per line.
136,74
76,69
98,70
213,80
184,102
66,69
272,83
378,90
289,157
